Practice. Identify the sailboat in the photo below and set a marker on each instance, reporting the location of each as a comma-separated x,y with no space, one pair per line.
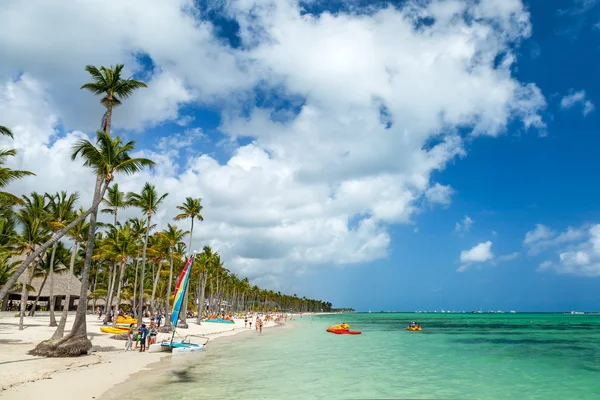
184,346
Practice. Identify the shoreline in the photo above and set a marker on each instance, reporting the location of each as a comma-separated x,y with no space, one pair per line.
87,377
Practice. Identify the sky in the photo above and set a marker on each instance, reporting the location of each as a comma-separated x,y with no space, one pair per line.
406,155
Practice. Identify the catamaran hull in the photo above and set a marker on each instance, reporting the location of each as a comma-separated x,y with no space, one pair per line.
158,348
176,348
185,350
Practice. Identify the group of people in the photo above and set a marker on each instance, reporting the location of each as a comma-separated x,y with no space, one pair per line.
143,336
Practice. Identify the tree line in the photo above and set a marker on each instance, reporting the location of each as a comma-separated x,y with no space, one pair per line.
124,259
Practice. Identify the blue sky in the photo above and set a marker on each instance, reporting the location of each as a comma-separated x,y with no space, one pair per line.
268,111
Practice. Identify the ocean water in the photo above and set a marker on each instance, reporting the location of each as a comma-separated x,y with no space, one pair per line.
456,356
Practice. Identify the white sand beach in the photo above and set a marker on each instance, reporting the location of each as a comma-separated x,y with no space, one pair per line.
23,376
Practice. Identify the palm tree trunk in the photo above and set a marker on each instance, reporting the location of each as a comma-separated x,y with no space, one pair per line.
121,273
108,117
78,333
24,295
52,317
141,298
168,308
37,299
155,284
109,296
183,321
201,299
135,284
60,331
13,278
23,304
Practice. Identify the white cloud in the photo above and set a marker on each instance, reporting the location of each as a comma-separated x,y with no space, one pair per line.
545,265
543,238
575,98
580,255
508,257
478,254
464,225
439,194
290,199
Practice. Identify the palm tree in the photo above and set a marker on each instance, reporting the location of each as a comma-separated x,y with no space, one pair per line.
174,236
60,212
119,246
115,199
44,268
108,158
109,83
191,208
206,260
77,235
33,218
158,251
148,201
139,229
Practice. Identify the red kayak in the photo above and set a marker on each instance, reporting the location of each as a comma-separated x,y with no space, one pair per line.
343,332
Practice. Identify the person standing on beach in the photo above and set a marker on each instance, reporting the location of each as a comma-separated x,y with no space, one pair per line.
250,322
246,321
144,332
260,327
129,338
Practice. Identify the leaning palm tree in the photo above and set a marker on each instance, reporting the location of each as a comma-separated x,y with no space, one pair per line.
148,201
61,211
78,235
108,157
174,236
109,83
191,208
33,218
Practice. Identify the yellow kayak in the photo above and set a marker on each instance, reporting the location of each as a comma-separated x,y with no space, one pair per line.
128,320
114,331
414,328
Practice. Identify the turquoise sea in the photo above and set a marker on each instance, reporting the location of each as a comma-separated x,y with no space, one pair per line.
456,356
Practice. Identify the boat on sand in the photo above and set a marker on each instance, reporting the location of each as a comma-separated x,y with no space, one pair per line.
185,345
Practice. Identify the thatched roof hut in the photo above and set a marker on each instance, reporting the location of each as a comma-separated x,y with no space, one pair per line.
62,282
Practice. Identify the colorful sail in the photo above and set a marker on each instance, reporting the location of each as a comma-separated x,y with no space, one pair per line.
180,291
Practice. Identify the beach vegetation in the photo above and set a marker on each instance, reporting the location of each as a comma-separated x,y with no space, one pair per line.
125,264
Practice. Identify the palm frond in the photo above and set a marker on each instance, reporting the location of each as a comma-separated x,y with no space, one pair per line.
6,132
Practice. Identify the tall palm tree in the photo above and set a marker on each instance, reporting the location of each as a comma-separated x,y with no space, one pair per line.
191,208
77,235
115,199
60,209
174,236
108,157
148,201
109,83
